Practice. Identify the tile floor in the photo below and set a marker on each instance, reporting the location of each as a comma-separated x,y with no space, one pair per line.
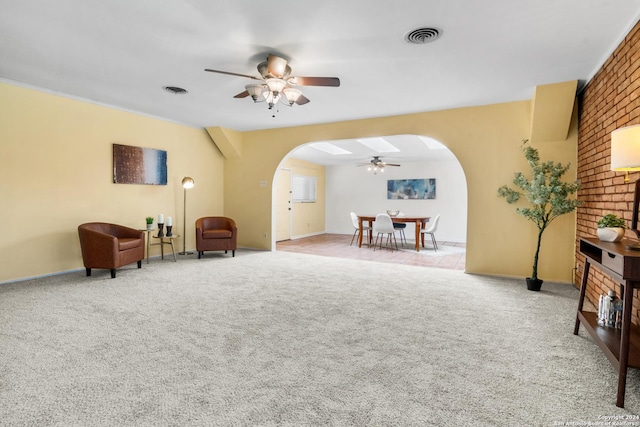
337,245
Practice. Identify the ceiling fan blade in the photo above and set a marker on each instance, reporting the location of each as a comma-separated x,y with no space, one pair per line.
391,164
302,100
315,81
242,94
231,74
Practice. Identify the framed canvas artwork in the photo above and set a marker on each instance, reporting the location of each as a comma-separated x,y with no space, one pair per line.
137,165
411,189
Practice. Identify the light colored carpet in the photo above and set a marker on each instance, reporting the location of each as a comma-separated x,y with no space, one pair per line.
277,338
443,250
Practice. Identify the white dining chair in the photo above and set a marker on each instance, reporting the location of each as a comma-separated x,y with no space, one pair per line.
383,225
365,229
431,231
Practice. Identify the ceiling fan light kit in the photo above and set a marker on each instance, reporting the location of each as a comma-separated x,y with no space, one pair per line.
277,81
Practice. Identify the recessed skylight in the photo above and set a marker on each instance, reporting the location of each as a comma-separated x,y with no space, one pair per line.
378,144
432,143
329,148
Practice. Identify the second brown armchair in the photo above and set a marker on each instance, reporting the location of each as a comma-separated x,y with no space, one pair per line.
216,233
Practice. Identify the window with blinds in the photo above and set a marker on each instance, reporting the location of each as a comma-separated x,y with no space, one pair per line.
303,189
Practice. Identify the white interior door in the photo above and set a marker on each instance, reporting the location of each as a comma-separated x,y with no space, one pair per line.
283,205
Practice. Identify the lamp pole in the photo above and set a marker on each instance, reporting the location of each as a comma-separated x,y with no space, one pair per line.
187,182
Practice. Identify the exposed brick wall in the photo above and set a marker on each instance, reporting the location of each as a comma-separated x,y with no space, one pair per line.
609,101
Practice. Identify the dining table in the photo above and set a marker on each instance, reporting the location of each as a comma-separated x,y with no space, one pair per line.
419,220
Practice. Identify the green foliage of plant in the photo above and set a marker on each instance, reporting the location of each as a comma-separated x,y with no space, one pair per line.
547,194
611,220
149,220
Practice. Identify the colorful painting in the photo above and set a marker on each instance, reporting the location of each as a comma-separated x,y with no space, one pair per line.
137,165
411,189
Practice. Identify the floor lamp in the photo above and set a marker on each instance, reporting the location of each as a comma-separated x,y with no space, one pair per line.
187,182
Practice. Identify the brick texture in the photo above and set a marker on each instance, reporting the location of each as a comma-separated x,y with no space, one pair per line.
609,101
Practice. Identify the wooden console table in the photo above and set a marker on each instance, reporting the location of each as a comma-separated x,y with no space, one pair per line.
622,347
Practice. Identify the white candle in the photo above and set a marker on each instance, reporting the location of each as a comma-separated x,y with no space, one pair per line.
160,219
169,221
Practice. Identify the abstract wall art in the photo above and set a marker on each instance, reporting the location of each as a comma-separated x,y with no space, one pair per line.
137,165
411,189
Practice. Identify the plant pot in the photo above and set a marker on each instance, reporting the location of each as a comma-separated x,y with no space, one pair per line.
149,226
534,284
610,234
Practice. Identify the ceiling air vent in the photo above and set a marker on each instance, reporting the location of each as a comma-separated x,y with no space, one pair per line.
423,35
175,90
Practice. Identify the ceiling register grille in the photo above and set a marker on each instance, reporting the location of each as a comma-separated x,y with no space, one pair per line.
423,35
175,90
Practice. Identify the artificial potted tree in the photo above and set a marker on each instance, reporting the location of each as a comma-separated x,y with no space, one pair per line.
548,196
611,228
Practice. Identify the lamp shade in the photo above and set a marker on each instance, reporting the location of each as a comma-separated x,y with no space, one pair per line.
255,91
276,85
292,95
277,66
625,149
187,182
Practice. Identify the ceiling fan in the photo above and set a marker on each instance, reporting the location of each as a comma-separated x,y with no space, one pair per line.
376,164
277,83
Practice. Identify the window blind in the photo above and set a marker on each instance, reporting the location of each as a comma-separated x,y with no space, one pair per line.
304,189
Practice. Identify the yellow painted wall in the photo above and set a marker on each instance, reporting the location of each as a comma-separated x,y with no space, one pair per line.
56,173
308,218
486,140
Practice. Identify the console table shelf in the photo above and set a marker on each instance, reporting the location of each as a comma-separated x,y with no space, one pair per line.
609,339
621,346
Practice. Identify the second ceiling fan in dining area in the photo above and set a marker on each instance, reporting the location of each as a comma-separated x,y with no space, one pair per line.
376,165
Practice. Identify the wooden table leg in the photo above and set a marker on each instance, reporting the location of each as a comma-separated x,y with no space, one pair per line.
359,232
583,289
148,244
627,302
418,226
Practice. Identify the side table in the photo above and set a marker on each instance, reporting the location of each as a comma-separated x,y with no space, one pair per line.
148,231
165,240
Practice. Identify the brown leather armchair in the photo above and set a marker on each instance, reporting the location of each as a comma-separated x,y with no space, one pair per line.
110,246
216,233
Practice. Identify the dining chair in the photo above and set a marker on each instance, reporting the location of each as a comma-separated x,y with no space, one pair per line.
383,225
354,221
431,231
400,227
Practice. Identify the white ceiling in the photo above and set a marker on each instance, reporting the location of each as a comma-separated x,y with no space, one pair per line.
410,148
122,53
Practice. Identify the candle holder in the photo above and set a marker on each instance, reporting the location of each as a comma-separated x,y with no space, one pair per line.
160,231
169,227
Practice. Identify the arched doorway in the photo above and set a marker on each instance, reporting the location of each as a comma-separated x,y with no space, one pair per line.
350,188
